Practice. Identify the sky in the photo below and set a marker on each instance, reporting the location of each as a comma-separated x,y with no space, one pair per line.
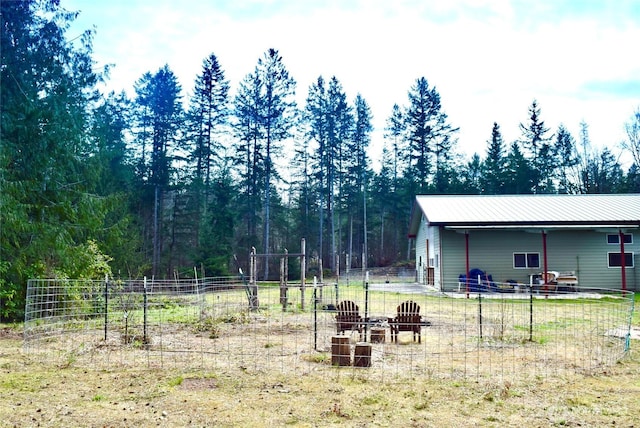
488,59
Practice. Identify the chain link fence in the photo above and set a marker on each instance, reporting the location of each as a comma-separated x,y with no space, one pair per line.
218,323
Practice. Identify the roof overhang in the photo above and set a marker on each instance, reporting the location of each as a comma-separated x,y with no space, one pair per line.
548,228
599,227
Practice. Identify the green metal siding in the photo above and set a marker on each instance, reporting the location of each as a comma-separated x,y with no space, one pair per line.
581,251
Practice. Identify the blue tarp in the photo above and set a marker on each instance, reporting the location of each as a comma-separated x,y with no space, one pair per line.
479,281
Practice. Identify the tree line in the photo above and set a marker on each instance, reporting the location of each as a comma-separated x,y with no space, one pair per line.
156,184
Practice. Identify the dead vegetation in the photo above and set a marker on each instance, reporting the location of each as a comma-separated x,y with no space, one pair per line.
36,393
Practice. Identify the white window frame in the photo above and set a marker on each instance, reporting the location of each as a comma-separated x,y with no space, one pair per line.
526,259
617,239
631,266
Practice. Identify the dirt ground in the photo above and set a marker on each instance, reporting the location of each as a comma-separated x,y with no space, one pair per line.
33,393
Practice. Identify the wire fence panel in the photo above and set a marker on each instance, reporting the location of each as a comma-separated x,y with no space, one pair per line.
394,328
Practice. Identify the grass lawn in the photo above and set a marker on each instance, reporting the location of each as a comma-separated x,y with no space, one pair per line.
53,395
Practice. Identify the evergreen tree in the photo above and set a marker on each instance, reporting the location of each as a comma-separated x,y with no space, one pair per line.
208,114
358,174
395,132
428,133
521,178
393,200
276,120
265,112
537,148
216,246
315,159
330,126
51,213
248,157
568,161
111,163
159,119
446,178
492,180
473,176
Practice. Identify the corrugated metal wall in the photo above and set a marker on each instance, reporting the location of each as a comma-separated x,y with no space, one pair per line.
584,252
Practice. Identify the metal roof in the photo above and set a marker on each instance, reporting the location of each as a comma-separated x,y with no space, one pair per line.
612,210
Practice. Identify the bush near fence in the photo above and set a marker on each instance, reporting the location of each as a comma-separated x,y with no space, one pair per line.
209,324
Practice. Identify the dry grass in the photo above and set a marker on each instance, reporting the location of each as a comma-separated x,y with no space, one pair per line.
38,394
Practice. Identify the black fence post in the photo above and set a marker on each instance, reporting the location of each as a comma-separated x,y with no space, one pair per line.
366,304
531,317
106,306
145,310
480,312
315,319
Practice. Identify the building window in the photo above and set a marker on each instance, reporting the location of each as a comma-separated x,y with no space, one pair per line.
615,238
616,261
526,260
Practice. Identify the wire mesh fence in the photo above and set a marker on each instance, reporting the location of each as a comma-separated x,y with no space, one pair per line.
391,328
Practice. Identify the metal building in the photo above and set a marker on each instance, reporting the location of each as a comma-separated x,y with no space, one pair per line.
519,240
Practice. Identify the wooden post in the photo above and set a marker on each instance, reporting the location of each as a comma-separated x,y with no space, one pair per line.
362,357
340,351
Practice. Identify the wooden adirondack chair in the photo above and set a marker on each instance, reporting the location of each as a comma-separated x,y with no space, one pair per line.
348,317
407,319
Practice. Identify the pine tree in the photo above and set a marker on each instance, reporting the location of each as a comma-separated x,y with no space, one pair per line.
248,158
473,176
358,173
395,132
521,178
207,120
208,114
159,119
428,134
537,148
568,161
493,167
276,120
330,125
265,113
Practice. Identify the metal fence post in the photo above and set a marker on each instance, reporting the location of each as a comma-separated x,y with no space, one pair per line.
144,336
106,305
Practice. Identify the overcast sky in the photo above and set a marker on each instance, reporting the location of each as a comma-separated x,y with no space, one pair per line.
488,59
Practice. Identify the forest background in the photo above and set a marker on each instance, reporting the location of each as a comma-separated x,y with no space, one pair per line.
96,184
